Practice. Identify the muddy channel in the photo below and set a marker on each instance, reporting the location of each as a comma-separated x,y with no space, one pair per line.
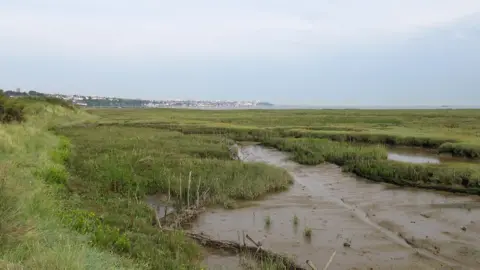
387,227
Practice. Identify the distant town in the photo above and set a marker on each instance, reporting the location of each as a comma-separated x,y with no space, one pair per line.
100,101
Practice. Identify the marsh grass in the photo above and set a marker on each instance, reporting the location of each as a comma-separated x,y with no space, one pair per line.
419,128
316,151
295,220
307,232
250,262
140,161
268,221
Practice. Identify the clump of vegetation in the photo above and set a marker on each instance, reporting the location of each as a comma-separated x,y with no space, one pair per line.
11,110
307,232
295,220
268,221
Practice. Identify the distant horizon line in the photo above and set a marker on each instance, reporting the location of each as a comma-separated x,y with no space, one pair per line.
292,106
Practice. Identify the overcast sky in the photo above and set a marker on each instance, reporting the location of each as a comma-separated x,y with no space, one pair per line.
317,52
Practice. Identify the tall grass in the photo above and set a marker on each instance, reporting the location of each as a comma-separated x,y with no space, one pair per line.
140,161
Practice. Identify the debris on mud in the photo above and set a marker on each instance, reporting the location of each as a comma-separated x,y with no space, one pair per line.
257,251
426,215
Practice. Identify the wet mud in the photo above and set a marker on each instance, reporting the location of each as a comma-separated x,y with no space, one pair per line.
370,225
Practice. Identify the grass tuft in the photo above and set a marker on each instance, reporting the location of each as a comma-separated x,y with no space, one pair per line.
295,220
307,232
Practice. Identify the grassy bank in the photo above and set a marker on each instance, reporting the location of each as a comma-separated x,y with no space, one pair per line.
32,235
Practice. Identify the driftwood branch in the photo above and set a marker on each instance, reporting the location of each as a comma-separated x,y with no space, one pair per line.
330,260
309,263
237,247
188,189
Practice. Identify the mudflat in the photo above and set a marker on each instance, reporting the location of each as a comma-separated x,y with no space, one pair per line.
383,226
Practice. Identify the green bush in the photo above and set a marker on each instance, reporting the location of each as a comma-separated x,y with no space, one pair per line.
11,110
61,154
55,174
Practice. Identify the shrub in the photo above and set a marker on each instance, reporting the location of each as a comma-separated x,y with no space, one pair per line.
55,174
62,154
11,110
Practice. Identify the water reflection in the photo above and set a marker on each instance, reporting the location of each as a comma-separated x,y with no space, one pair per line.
412,158
420,155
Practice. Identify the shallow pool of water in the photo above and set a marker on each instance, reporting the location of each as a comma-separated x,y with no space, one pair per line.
388,227
419,155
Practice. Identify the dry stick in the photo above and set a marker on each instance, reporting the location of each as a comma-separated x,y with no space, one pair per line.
206,240
238,235
198,191
188,189
258,244
253,241
169,189
181,192
244,242
309,263
330,260
158,219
